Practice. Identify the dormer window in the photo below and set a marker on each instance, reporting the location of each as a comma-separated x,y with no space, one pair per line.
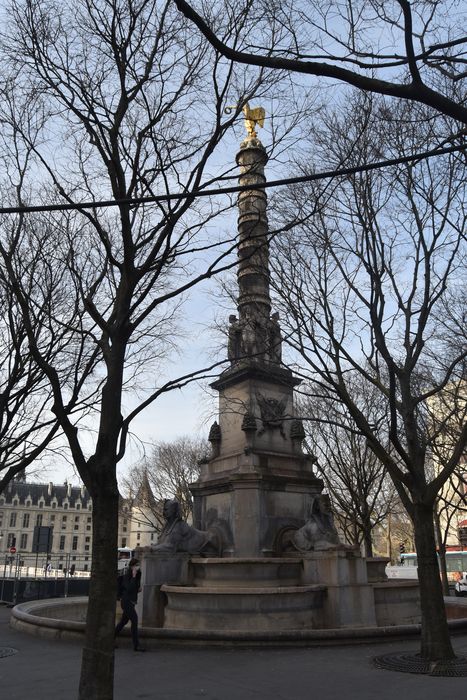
15,502
28,502
65,506
41,504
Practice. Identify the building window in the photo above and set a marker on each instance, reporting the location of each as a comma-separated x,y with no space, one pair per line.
124,529
2,501
27,503
52,518
11,540
76,527
12,520
86,548
24,541
87,539
62,543
39,519
78,506
85,567
88,527
74,546
41,504
76,518
15,502
54,505
25,519
65,506
125,521
138,536
89,519
152,536
123,541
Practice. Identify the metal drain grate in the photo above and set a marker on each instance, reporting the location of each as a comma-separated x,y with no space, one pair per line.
7,651
413,663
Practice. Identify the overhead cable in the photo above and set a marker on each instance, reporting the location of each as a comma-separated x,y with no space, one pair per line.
169,196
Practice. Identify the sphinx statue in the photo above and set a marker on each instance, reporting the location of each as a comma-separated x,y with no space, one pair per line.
319,532
178,536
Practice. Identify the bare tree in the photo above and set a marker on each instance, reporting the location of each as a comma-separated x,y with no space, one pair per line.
362,283
409,50
135,108
448,415
355,478
26,423
173,466
168,471
394,535
28,427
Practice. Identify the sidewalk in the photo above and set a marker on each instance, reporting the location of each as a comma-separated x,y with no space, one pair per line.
46,670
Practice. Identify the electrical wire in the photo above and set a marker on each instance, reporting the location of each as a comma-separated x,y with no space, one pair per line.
340,172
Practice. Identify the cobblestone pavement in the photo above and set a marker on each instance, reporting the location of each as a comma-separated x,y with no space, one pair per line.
36,669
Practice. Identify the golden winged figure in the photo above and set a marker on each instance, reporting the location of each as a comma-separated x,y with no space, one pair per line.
252,118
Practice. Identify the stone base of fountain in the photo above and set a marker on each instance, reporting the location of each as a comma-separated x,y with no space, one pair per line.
331,589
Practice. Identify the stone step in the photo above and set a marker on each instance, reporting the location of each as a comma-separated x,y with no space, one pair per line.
244,608
246,572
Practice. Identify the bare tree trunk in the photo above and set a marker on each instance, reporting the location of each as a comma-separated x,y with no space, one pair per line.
389,548
368,543
96,681
435,639
367,529
441,554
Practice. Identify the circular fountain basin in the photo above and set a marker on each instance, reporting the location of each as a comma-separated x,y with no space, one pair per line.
64,619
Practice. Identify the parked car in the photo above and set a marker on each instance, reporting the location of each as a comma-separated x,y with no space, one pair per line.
461,586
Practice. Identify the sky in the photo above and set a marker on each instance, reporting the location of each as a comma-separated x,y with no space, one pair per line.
189,411
180,412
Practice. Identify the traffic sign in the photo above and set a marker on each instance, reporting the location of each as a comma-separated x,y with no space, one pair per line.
12,550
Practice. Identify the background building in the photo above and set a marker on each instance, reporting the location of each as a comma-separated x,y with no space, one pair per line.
67,511
140,517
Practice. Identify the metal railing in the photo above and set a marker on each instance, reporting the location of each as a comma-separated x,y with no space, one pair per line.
33,576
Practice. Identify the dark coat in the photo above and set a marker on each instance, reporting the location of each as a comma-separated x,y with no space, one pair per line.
128,586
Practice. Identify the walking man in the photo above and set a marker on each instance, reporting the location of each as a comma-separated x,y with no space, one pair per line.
129,585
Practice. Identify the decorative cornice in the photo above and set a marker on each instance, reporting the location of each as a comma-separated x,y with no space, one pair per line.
249,370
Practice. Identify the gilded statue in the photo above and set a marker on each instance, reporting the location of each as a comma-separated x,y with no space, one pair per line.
252,118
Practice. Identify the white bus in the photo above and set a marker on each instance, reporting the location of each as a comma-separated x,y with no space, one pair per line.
124,554
456,565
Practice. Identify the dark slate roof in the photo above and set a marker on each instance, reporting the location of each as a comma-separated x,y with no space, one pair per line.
145,496
24,490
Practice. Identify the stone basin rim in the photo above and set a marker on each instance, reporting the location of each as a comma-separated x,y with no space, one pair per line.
243,590
24,613
230,561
